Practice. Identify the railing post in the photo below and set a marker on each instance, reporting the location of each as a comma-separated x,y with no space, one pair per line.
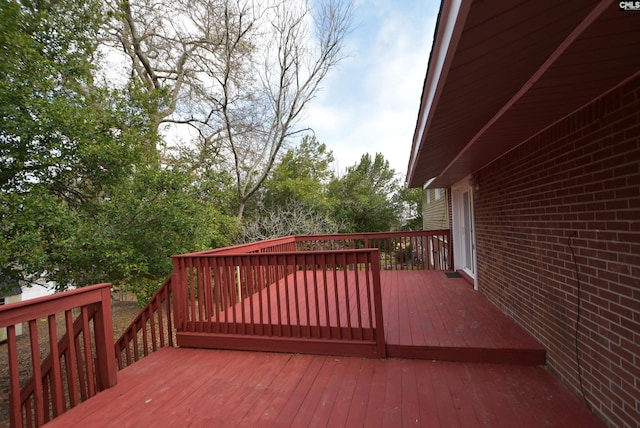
377,303
106,359
179,294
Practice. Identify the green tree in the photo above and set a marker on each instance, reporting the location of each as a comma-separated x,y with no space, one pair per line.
155,213
84,196
44,75
301,176
52,154
294,199
410,201
365,198
240,73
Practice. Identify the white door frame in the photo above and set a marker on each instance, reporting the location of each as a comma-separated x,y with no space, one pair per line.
464,238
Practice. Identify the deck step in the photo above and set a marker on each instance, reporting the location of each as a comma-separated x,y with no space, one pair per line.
533,356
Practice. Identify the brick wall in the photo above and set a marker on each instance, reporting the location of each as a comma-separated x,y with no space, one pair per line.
578,184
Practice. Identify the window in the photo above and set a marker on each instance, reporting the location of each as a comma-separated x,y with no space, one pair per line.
438,194
1,301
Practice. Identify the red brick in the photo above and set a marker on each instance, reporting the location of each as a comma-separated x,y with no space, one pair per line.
582,174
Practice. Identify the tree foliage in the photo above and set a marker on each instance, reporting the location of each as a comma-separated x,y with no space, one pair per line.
365,198
84,197
240,73
91,190
58,146
301,175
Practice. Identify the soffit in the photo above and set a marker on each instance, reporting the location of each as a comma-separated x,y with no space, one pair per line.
483,110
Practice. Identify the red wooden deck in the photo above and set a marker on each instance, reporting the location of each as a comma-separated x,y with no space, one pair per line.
204,388
426,315
430,316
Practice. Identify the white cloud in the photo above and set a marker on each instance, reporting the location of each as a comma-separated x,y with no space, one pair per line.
370,102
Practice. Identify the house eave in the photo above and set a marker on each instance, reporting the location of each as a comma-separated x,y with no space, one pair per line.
510,71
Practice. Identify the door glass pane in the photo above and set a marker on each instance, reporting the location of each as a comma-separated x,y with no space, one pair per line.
467,232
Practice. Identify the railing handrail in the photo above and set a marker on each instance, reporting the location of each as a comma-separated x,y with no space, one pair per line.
365,235
225,294
276,253
39,307
269,243
246,248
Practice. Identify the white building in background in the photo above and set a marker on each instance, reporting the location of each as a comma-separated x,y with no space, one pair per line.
9,295
38,289
20,293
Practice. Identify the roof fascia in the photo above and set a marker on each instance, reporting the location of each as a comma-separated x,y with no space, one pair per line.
453,15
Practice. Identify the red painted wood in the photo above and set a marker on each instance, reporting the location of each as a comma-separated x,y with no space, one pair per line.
328,398
426,315
48,394
284,408
243,402
277,344
376,395
70,360
360,397
154,320
275,288
430,316
88,355
313,396
280,392
38,395
392,407
14,376
55,373
206,387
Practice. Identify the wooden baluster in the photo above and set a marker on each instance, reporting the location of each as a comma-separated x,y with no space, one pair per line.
70,359
56,377
347,301
88,357
15,413
37,374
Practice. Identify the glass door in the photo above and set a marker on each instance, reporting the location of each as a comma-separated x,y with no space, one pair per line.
467,226
463,229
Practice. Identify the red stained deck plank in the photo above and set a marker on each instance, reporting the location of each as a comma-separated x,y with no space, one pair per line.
287,405
344,396
392,407
293,314
193,387
428,315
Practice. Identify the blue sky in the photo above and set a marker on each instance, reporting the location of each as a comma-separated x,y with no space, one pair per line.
370,102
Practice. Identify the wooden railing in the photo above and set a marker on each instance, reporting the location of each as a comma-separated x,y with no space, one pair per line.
284,244
319,294
151,330
317,301
412,250
420,249
80,363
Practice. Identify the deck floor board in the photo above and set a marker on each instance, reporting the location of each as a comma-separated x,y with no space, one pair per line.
307,390
422,310
425,315
426,311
